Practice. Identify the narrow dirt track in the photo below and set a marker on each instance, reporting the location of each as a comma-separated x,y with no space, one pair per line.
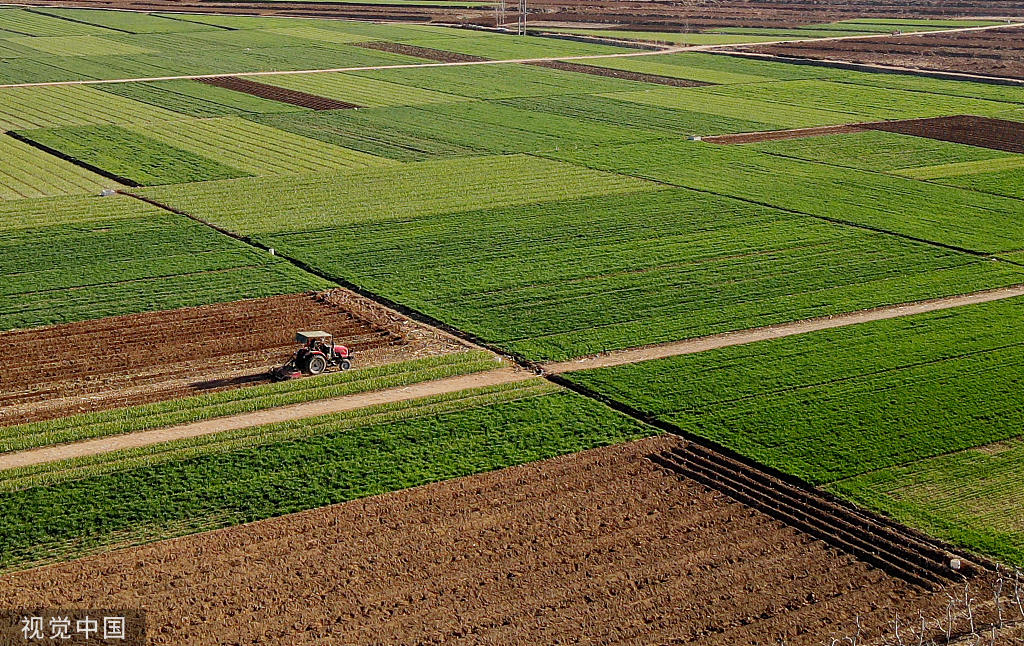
712,342
667,50
262,417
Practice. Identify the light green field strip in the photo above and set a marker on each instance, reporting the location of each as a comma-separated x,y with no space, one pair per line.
131,21
664,36
860,102
972,497
28,172
310,32
80,46
269,205
1009,182
964,168
712,68
65,105
367,92
779,115
28,23
256,148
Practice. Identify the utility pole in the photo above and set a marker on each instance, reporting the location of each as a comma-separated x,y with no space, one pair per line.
499,10
522,18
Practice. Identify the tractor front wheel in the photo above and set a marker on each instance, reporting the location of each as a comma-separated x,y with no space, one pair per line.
317,364
345,364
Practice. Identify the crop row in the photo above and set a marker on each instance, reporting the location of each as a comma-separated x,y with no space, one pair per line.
27,172
122,21
947,215
359,90
79,46
67,260
299,465
63,105
953,170
29,23
309,202
564,279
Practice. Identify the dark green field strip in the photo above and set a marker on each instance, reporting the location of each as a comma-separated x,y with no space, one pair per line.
940,214
66,260
333,459
839,403
197,99
125,21
455,129
128,156
1007,182
970,497
569,278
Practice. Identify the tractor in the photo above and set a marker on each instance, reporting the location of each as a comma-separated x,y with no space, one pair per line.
317,354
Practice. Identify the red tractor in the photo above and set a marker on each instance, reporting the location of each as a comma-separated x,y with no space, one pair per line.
317,354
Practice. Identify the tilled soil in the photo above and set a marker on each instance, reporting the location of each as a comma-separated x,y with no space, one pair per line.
993,52
596,547
106,363
997,134
274,93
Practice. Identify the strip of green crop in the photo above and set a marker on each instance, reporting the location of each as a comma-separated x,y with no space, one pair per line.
244,400
196,99
882,151
513,47
502,81
711,68
269,205
942,214
51,106
257,149
839,403
79,46
570,278
453,129
970,497
29,23
960,169
68,259
358,90
139,23
139,159
332,460
28,172
662,36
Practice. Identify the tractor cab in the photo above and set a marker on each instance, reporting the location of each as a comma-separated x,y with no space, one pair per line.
317,354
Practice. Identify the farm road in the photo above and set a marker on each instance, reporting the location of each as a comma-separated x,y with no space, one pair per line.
666,50
490,378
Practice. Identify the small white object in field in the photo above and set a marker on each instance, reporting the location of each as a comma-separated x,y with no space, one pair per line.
271,250
955,564
695,138
107,192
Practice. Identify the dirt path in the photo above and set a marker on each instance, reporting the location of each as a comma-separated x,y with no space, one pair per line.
494,377
714,341
666,50
262,417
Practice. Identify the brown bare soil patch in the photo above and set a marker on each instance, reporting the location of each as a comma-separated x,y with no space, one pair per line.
598,547
95,365
993,52
428,53
776,135
985,132
283,95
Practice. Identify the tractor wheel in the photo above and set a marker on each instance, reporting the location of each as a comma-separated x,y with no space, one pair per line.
345,364
316,365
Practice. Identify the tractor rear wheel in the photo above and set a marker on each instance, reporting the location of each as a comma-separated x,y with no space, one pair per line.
316,365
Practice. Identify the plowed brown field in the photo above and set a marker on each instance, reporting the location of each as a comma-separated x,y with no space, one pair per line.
274,93
995,52
93,365
596,547
997,134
